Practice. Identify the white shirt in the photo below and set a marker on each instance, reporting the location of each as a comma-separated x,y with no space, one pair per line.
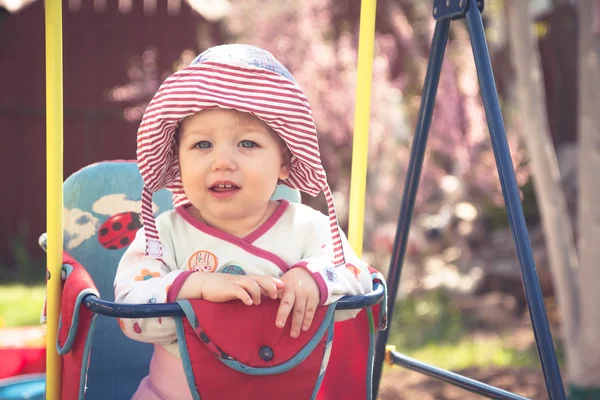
295,235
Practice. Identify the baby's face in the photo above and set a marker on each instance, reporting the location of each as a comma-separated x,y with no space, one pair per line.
230,163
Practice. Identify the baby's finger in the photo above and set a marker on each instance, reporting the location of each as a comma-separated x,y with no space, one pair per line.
241,294
253,289
298,316
285,307
267,285
309,314
279,284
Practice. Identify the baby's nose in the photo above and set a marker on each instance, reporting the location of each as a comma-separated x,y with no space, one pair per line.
224,159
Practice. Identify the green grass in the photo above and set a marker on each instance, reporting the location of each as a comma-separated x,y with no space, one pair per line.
431,329
470,352
21,305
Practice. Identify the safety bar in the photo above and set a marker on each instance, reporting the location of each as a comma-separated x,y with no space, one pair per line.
453,378
121,310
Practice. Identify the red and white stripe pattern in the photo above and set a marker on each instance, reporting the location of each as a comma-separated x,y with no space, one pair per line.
267,95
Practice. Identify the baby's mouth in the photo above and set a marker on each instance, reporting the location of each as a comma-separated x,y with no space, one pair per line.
224,188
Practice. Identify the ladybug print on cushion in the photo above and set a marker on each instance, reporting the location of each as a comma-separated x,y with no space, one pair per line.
119,230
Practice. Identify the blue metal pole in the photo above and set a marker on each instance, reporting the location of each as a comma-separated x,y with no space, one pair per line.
510,191
432,78
453,378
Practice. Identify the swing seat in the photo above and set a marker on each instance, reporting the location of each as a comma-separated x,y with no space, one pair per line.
100,362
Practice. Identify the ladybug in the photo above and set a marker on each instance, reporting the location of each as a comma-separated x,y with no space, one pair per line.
119,230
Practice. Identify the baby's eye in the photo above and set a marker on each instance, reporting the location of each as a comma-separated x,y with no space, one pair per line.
247,144
203,145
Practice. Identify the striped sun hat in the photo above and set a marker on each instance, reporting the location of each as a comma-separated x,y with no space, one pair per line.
240,77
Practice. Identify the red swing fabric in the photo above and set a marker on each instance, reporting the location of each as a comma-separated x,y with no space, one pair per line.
77,281
241,332
346,374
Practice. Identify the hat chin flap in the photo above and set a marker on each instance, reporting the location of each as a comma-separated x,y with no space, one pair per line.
153,247
338,250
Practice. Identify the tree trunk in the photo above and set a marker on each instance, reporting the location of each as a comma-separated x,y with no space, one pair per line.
551,199
585,369
558,52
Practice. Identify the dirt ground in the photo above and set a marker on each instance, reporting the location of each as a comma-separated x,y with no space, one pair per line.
402,384
399,383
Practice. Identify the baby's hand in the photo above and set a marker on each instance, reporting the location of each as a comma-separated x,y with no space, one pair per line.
219,288
300,293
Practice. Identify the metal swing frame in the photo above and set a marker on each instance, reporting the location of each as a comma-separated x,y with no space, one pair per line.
444,11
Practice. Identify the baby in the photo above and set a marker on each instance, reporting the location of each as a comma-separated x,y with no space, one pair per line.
221,134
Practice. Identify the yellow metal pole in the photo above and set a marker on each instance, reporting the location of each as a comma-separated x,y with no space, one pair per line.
54,179
360,144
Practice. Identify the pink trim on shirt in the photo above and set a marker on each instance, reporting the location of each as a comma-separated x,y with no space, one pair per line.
176,286
264,228
318,278
242,243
